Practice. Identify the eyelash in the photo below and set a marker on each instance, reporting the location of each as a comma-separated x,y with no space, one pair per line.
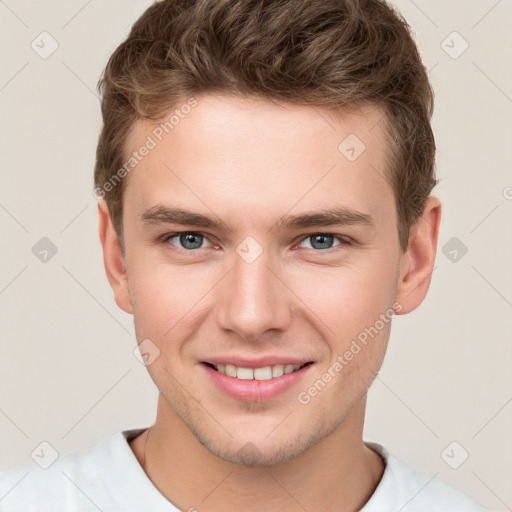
341,238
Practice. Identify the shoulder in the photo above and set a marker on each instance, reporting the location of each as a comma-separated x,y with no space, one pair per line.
402,488
75,481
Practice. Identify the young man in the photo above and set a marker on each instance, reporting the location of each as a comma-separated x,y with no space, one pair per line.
264,174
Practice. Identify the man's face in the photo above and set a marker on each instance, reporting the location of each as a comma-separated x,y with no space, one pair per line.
255,290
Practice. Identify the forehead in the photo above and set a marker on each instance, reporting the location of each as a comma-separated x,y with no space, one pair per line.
233,155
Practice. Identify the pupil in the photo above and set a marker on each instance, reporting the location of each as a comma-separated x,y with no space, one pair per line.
187,240
325,241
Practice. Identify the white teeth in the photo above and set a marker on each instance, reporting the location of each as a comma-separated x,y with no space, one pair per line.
230,370
263,373
277,370
289,368
245,373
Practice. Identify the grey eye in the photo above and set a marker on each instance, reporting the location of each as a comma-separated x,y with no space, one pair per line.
189,240
320,241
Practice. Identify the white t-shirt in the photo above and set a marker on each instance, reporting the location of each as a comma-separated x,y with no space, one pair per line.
108,478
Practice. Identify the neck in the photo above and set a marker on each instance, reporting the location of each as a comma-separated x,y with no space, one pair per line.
338,473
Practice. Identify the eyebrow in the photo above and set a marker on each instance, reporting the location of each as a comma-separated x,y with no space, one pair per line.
343,216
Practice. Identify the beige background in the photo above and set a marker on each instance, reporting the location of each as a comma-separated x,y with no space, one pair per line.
68,375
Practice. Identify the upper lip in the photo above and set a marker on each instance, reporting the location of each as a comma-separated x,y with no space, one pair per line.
257,362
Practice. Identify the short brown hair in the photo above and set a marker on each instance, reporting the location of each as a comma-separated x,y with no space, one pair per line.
327,53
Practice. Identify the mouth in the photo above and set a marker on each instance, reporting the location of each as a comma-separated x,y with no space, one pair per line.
261,373
257,383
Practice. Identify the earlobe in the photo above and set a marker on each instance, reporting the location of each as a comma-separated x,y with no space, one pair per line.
417,264
113,258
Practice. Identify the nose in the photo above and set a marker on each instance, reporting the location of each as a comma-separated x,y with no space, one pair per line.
253,299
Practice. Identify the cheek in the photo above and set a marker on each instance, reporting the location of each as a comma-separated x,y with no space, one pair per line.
346,298
166,298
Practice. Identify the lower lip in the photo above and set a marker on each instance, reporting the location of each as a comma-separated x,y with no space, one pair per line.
255,390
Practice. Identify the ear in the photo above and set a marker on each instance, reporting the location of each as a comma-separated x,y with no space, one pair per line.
113,259
417,262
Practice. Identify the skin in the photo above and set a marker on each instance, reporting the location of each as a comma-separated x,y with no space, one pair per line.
248,161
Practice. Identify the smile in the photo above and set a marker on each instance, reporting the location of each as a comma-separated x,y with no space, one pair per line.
257,384
262,373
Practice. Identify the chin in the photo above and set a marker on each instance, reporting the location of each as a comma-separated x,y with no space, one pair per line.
256,454
257,449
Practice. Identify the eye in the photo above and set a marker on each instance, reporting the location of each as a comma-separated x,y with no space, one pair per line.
189,240
323,241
